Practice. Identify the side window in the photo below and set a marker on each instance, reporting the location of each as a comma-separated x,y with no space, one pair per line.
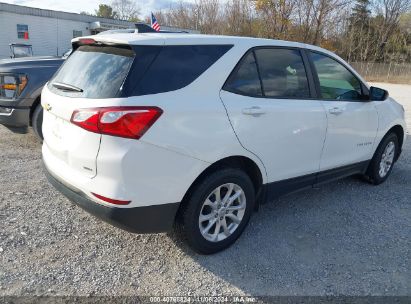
245,79
175,67
282,73
336,81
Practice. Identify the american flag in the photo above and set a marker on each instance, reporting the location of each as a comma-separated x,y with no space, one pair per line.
154,23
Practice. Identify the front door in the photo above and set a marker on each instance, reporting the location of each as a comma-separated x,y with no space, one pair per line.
269,104
352,118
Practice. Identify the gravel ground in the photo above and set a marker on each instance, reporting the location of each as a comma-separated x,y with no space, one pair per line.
346,238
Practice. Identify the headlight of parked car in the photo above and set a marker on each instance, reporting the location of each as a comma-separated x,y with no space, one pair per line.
11,86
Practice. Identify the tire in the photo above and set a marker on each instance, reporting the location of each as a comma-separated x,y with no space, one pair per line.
37,121
188,220
378,171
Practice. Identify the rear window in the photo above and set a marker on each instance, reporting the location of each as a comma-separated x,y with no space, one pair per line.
107,71
93,72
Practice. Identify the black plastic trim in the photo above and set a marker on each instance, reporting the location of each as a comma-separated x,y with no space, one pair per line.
19,118
341,172
151,219
277,189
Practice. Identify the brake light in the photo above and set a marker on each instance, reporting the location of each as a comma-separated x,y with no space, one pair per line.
110,200
127,122
87,41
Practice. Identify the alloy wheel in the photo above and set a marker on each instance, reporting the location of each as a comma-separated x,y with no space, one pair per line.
222,212
387,159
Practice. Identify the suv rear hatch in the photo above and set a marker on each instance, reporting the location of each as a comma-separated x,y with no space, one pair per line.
96,92
91,77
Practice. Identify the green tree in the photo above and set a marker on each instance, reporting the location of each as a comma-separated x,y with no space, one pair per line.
106,11
360,32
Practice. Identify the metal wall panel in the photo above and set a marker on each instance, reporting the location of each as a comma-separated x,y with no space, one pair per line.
48,36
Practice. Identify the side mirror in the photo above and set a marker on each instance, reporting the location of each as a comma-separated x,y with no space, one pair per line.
378,94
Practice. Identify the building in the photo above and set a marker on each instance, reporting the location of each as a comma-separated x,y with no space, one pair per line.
49,32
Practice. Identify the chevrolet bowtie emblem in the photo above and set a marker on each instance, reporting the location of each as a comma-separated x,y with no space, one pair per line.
47,107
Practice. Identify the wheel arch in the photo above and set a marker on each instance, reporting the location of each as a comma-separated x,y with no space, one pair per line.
36,102
239,162
399,131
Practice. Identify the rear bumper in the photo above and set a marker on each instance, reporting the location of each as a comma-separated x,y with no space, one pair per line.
149,219
14,117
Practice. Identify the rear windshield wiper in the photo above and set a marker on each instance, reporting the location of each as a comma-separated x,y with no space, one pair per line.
66,87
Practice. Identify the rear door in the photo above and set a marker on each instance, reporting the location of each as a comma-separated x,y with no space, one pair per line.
269,102
352,117
91,77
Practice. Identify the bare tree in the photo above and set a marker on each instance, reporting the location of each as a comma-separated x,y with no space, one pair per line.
126,9
179,15
304,17
326,13
276,16
390,12
206,16
375,35
238,18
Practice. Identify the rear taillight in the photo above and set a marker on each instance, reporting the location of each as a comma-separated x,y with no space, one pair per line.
128,122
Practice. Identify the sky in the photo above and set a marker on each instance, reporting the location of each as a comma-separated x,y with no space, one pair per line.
77,6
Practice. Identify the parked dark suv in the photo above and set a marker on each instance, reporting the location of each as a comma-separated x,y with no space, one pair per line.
21,82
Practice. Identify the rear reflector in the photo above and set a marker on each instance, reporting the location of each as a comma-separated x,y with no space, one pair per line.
127,122
110,200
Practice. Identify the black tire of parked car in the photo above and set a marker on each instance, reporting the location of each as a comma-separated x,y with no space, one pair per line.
372,174
37,121
187,222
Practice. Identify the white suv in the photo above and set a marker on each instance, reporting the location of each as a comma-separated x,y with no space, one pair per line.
155,131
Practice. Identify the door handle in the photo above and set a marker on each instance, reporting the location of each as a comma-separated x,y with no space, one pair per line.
254,111
336,111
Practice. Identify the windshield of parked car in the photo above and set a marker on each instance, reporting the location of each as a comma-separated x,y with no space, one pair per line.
95,72
19,51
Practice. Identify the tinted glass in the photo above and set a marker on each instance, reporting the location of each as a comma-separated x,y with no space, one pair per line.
283,73
97,70
336,82
245,79
145,56
175,67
